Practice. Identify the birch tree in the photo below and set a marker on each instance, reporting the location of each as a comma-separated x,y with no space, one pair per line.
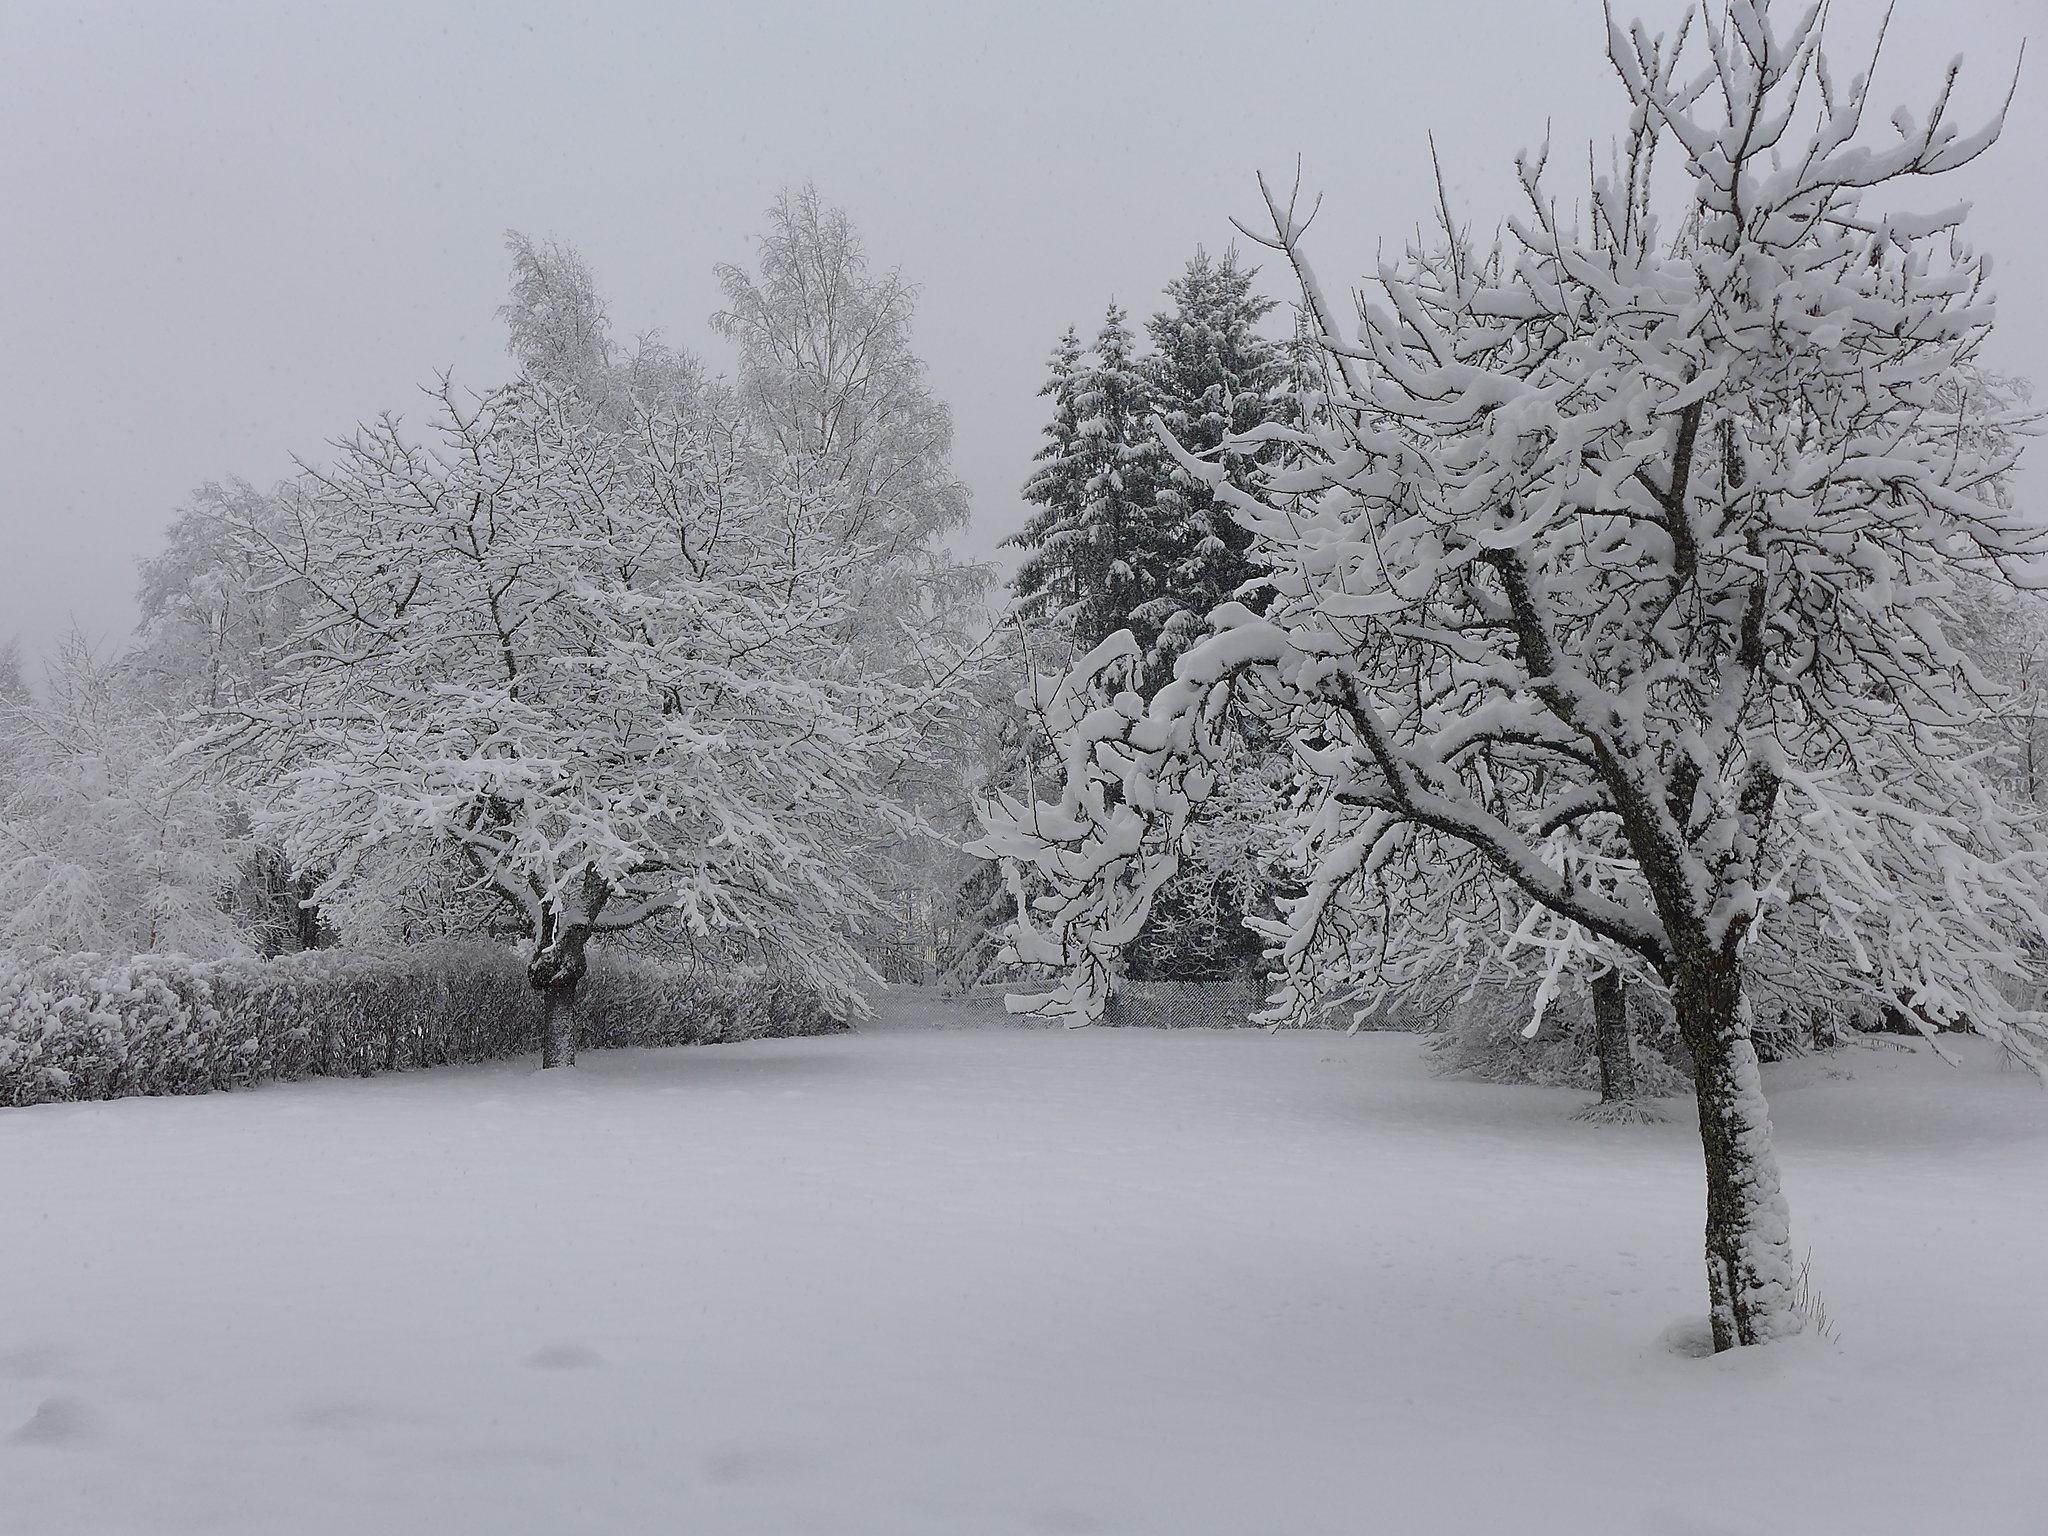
828,380
845,428
1650,527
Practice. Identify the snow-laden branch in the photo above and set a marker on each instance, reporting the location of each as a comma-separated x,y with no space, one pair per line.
599,655
1643,530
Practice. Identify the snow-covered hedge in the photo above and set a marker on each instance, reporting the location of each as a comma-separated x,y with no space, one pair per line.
98,1027
1183,1004
1478,1033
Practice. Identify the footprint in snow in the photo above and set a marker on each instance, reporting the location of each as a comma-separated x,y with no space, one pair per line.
59,1421
564,1357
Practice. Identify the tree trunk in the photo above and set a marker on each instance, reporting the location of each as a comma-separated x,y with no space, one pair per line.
1614,1039
1621,1100
306,916
1750,1274
554,971
558,1027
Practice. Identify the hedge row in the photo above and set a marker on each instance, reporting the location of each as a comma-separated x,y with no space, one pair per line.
102,1027
1184,1004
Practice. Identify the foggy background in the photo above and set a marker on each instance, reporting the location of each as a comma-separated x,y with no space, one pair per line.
234,230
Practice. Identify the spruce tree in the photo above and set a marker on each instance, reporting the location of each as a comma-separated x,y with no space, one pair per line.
1125,567
1094,561
1048,579
1123,538
1212,376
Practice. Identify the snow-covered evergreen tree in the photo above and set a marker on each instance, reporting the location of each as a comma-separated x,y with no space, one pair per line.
1109,546
1054,564
1121,466
1648,527
1094,558
1214,379
1122,538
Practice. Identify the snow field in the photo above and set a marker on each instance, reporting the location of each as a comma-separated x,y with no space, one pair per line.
962,1277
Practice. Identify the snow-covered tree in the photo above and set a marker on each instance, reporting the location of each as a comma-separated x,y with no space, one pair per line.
559,332
209,619
2004,630
110,839
1121,537
1095,560
13,680
842,425
828,378
1214,380
1055,560
557,327
1206,922
210,623
1645,527
1082,516
1119,466
1509,990
601,663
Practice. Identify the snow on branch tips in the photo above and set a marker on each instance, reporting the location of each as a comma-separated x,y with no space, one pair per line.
1616,585
586,643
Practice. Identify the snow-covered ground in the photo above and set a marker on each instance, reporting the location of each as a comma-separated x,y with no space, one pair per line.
950,1276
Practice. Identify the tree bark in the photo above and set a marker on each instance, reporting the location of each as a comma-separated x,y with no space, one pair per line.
1750,1274
1614,1040
306,916
558,1026
554,971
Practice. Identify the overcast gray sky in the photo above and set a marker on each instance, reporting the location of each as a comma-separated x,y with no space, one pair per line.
227,232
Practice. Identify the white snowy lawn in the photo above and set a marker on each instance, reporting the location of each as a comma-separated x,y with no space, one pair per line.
983,1279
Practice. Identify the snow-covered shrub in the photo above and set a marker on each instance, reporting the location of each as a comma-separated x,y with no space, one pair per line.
633,1000
1184,1004
83,1026
1479,1033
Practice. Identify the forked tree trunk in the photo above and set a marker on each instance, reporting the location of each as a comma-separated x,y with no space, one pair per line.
1750,1275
